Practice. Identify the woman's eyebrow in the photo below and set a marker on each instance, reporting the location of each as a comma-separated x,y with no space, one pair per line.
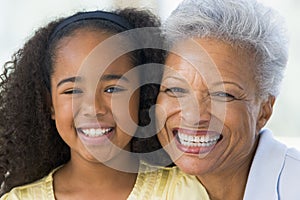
110,77
71,79
175,78
228,82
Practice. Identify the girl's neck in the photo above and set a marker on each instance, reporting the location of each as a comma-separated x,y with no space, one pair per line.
90,179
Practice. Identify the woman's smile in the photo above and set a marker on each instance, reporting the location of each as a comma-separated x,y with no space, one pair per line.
195,141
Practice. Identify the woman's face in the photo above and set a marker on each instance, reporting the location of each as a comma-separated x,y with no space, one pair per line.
208,113
92,101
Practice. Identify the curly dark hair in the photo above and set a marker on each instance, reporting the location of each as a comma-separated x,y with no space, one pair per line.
30,144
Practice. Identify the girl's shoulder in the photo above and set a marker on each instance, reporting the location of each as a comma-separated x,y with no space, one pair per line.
155,182
41,189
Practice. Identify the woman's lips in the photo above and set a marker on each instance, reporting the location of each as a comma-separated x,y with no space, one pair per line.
195,142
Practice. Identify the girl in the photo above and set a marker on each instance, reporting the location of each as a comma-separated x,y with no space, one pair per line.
63,118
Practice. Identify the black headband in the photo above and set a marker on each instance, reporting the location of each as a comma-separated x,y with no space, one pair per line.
102,15
92,15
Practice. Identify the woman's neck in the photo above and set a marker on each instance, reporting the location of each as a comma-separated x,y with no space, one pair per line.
225,186
229,183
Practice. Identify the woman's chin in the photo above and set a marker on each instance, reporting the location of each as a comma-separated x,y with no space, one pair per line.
192,165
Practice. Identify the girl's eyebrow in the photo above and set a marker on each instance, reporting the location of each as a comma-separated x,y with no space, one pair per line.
71,79
106,77
110,77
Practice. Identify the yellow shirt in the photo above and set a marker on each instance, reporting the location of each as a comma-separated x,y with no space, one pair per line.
153,183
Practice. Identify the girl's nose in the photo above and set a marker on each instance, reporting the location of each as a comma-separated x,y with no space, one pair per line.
93,105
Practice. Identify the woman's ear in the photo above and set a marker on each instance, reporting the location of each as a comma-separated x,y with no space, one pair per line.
266,111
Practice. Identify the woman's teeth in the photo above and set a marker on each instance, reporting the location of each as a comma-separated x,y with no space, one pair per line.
92,132
197,141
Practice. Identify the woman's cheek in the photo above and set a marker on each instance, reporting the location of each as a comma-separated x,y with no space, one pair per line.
161,117
166,110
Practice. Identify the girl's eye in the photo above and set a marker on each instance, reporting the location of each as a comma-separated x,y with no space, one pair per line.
73,91
176,91
222,96
114,89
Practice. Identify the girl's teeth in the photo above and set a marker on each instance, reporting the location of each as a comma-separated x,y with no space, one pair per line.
96,132
197,141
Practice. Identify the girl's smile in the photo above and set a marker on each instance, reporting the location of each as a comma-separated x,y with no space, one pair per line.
88,99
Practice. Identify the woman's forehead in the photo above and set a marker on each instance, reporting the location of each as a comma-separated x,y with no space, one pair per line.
213,60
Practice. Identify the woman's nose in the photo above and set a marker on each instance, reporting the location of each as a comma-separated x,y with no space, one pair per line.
202,112
196,110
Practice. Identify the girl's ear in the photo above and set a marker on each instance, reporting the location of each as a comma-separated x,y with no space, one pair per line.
52,112
266,111
50,105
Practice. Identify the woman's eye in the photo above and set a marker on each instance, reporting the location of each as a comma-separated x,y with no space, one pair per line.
175,91
222,96
73,91
114,89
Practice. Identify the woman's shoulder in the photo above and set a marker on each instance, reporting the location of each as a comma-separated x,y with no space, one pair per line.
294,154
289,176
155,182
41,189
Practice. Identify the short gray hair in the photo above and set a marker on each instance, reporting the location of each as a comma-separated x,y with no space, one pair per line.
243,23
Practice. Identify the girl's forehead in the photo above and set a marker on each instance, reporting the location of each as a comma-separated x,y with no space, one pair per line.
93,46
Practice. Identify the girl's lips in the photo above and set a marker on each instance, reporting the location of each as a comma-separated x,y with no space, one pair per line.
94,124
195,141
95,136
94,132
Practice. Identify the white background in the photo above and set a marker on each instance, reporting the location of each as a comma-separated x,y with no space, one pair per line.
19,19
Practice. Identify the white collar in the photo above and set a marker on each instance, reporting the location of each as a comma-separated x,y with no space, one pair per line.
266,168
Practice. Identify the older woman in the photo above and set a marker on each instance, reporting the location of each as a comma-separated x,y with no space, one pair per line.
226,62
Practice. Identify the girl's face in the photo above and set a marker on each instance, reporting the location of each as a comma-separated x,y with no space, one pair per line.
211,115
92,101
